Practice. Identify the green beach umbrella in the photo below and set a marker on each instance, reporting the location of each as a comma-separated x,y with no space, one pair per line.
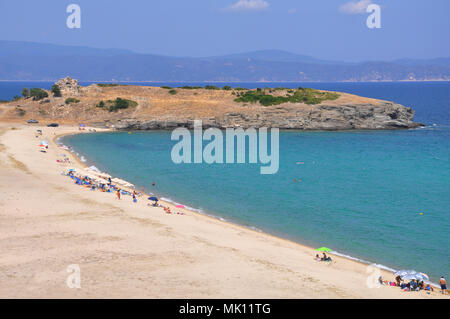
324,249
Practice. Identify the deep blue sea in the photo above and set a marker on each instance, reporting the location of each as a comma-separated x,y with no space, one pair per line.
361,193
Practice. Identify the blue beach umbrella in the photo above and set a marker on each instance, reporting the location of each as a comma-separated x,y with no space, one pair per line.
153,198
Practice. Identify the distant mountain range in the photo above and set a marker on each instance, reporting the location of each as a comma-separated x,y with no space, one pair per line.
39,61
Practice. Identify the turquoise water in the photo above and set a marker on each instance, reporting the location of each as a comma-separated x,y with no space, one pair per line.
360,192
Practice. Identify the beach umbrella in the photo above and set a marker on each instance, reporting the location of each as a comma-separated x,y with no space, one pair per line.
153,198
404,272
82,125
415,276
411,274
179,206
325,249
425,276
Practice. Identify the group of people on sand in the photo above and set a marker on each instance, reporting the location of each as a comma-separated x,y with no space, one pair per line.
413,284
323,258
64,160
108,187
168,211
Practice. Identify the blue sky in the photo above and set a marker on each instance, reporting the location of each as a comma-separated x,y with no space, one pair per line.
327,29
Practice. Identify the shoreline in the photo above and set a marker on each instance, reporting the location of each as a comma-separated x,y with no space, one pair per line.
223,259
172,203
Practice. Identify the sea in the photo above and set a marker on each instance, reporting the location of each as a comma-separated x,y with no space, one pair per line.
379,197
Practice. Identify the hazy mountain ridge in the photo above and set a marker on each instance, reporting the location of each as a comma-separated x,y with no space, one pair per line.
35,61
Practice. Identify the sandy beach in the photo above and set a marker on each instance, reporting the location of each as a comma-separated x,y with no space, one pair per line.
131,250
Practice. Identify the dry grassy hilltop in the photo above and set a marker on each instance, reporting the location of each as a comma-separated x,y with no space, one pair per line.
146,107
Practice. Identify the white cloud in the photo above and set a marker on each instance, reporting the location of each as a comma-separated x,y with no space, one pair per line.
355,7
249,5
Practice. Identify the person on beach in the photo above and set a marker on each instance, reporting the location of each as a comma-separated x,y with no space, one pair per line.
398,279
325,257
413,285
317,257
134,197
118,194
443,284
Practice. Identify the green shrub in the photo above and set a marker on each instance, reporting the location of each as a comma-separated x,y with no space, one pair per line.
70,100
187,87
212,87
172,92
227,88
56,90
119,104
100,104
307,96
38,94
166,87
25,93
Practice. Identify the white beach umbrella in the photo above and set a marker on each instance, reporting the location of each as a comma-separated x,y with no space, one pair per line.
402,273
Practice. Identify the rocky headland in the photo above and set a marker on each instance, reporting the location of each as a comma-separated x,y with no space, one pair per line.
130,107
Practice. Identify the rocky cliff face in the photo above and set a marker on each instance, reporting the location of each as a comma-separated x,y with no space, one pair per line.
323,117
158,109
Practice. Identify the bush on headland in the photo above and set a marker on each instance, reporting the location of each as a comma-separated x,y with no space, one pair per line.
56,90
188,87
117,104
38,94
71,100
172,91
212,87
300,95
25,93
100,104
